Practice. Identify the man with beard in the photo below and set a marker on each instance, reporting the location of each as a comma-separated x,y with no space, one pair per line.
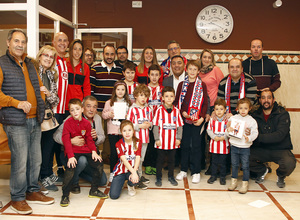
104,75
273,143
122,54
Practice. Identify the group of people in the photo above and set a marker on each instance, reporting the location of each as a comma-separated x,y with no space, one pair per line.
151,112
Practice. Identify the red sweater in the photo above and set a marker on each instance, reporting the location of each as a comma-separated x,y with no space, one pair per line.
73,128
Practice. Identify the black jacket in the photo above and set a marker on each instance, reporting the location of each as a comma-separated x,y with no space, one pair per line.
275,133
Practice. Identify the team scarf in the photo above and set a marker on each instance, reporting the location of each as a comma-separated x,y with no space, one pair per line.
228,90
196,100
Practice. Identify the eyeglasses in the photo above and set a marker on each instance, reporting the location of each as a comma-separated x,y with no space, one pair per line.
88,55
48,56
174,48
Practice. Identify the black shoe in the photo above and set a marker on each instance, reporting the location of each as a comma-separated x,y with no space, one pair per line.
212,179
261,179
75,189
144,180
97,194
65,201
141,185
173,181
222,180
158,182
280,182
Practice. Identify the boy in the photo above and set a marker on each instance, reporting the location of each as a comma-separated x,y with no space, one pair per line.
219,145
167,132
79,126
129,73
140,114
154,102
240,148
191,97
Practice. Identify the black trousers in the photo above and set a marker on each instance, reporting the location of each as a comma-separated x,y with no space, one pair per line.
218,160
151,153
113,158
97,168
161,154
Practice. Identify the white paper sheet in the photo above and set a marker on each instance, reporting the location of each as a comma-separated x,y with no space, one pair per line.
119,110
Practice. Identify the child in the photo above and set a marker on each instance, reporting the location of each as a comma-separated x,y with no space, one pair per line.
129,153
140,114
154,102
191,97
167,132
219,145
240,148
129,74
119,94
79,126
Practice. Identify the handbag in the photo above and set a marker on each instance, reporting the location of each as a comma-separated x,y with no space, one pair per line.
49,121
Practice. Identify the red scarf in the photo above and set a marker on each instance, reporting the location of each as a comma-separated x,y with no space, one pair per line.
242,92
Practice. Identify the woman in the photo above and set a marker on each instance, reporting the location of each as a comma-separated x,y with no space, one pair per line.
148,58
78,73
211,75
45,64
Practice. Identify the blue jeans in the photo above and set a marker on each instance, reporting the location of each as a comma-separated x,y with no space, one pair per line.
117,184
85,172
240,155
25,146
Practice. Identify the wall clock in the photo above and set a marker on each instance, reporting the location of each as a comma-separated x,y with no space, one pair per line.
214,24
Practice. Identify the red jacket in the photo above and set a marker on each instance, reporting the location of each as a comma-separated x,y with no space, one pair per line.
78,83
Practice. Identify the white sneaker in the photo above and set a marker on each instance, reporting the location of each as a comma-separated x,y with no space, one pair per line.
181,175
111,176
196,178
131,190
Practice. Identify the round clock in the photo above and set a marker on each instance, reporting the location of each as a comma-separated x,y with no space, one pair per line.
214,23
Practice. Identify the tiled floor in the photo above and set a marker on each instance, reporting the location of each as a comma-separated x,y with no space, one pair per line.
186,201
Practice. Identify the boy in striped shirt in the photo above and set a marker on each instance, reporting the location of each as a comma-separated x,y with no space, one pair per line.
140,114
129,74
219,145
167,132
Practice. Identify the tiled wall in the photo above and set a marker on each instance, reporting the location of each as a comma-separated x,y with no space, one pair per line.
289,67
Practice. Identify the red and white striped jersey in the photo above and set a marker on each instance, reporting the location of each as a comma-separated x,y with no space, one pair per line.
154,100
218,128
130,153
138,115
130,90
62,85
168,124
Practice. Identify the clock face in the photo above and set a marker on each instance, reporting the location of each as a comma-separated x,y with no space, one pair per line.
214,24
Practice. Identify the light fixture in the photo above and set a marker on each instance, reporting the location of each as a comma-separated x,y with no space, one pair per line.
277,4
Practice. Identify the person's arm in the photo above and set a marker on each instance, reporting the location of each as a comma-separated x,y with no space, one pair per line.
53,98
251,90
86,83
57,136
254,131
88,137
92,80
99,130
66,139
209,130
107,110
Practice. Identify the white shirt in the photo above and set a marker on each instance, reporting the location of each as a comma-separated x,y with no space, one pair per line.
177,81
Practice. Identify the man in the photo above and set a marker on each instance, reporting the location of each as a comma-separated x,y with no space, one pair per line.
236,85
173,50
263,69
122,54
104,75
60,42
273,143
177,66
21,114
82,169
89,56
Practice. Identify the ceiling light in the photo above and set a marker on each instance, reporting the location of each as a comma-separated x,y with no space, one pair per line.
277,4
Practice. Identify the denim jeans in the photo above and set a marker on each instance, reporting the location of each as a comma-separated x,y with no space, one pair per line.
84,171
240,155
117,185
25,146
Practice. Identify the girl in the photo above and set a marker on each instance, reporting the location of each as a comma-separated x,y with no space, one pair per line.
148,58
45,64
78,73
129,153
119,94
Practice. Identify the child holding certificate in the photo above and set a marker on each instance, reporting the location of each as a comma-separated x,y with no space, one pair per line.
115,111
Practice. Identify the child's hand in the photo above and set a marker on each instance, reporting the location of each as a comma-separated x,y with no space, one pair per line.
248,131
111,114
184,114
72,162
230,129
94,134
134,178
78,141
158,143
145,125
228,115
228,124
45,90
177,142
207,117
96,156
198,122
246,138
222,138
